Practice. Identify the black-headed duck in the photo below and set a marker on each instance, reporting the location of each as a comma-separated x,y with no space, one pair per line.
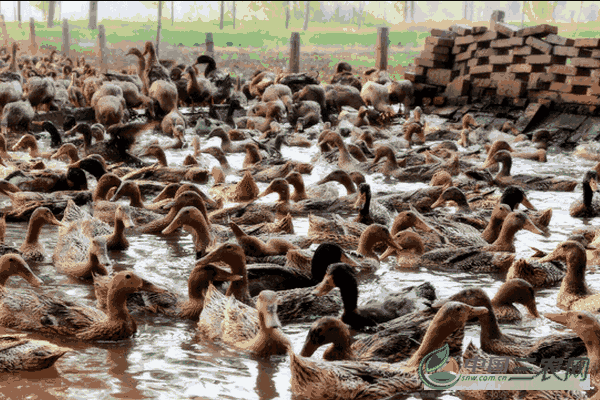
504,178
20,353
349,380
32,249
587,207
574,293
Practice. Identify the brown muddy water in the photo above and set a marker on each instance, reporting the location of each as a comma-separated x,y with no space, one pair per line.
166,360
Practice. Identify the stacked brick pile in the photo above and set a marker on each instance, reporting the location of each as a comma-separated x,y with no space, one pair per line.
532,63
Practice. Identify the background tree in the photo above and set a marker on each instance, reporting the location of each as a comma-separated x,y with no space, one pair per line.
93,24
51,10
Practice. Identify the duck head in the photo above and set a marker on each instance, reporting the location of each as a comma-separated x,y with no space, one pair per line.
409,219
325,255
513,195
517,291
266,305
67,149
323,331
280,186
568,251
14,264
455,194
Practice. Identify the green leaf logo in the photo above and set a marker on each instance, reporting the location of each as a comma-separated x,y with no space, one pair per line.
433,361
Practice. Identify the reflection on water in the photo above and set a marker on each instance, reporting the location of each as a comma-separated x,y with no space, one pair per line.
167,360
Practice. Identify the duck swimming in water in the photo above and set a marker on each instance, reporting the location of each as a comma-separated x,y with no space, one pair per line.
587,207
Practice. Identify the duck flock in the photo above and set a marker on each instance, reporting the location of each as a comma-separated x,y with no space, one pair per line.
253,271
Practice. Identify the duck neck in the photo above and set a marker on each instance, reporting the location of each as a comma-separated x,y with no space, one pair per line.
349,293
574,280
210,67
72,154
365,209
341,349
201,234
118,235
348,184
239,288
299,190
588,194
162,158
506,166
34,150
117,306
33,231
366,244
506,238
492,230
490,330
136,198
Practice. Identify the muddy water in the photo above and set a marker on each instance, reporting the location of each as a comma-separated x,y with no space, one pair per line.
166,360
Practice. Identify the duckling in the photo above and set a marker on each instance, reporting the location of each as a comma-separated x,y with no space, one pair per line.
574,293
504,178
53,316
32,249
587,207
353,380
19,353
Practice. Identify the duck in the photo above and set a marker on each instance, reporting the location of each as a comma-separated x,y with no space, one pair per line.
494,341
346,161
535,182
28,141
574,293
117,239
48,181
67,150
20,353
52,316
369,213
254,247
192,218
342,275
587,207
294,288
587,328
243,191
361,380
222,82
514,291
300,193
253,330
32,249
424,173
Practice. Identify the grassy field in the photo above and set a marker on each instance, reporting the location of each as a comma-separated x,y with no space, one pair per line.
257,44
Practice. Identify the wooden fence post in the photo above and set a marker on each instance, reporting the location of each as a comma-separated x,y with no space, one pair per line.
158,28
4,32
33,47
102,46
306,15
19,13
381,62
295,52
66,38
210,45
222,15
233,12
287,14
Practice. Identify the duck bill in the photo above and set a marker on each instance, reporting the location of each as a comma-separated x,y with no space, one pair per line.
56,222
56,155
532,308
422,225
560,318
348,260
438,203
103,259
477,311
173,226
594,184
390,242
213,256
550,257
32,279
309,348
267,191
488,163
151,287
528,204
270,316
127,222
360,201
326,286
388,252
237,231
532,228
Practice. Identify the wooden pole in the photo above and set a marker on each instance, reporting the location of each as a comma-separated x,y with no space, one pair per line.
295,52
102,47
51,9
306,15
381,61
287,14
93,24
4,32
233,12
522,14
160,3
222,15
210,45
19,13
66,39
172,14
33,47
361,7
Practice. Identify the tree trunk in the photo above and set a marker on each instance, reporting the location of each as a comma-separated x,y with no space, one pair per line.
51,9
412,11
19,12
222,15
306,15
287,14
93,24
361,10
172,14
233,12
160,4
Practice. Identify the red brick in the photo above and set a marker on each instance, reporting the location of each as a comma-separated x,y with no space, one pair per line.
472,47
479,30
564,70
434,56
461,40
502,59
442,33
543,94
437,49
463,56
580,99
411,76
439,101
585,62
429,63
473,62
561,87
580,81
522,51
559,40
539,44
526,68
420,70
461,30
484,53
458,49
440,77
538,30
544,59
585,42
595,54
486,37
535,82
567,51
437,41
502,76
546,77
511,42
511,88
594,90
481,69
457,88
506,29
595,74
484,83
